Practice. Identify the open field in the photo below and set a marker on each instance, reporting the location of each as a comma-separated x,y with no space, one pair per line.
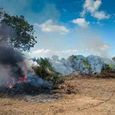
93,97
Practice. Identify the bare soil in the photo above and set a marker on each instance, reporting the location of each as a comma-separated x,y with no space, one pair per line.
88,96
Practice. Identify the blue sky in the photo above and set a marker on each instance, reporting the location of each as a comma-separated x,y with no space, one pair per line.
66,27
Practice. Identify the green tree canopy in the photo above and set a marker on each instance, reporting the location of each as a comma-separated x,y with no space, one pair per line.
23,37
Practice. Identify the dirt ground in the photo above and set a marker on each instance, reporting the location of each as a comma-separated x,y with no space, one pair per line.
93,97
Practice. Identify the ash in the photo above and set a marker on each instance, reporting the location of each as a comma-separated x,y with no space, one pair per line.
34,90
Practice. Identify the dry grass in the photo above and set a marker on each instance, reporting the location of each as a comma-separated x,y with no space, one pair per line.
94,97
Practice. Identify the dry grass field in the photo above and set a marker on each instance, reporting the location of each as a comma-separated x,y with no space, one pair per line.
92,97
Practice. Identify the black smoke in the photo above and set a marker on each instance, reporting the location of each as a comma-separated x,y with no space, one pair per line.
11,59
10,56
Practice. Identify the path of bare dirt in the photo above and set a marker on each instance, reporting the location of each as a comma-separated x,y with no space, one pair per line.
94,97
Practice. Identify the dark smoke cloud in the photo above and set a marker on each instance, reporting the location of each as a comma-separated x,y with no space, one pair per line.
10,56
11,60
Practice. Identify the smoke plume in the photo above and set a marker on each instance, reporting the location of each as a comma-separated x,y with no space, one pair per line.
11,60
92,43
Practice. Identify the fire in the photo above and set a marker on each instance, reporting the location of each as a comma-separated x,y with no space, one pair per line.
19,75
22,79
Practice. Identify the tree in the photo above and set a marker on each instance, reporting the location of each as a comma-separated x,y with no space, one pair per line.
23,37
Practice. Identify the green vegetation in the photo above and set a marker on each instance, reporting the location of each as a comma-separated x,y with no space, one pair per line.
47,72
106,68
112,66
23,37
85,62
71,58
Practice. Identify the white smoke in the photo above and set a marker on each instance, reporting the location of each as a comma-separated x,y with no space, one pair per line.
50,53
84,42
6,76
92,43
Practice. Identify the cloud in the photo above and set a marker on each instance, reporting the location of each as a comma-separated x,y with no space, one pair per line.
92,7
50,53
101,15
81,22
50,26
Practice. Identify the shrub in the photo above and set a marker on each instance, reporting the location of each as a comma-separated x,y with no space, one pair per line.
106,68
46,71
85,62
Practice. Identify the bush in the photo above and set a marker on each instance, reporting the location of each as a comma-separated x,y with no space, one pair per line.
106,68
107,72
46,71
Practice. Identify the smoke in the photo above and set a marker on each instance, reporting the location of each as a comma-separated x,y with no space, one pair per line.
9,56
97,46
83,42
6,32
92,43
5,73
11,60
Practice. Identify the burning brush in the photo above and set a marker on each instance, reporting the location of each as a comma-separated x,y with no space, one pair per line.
12,67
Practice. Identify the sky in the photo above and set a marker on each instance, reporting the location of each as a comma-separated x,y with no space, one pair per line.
68,27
